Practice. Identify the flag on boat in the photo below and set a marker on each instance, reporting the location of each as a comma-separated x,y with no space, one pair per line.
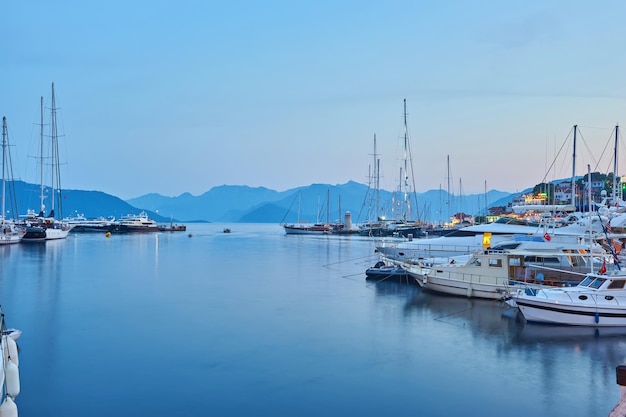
602,269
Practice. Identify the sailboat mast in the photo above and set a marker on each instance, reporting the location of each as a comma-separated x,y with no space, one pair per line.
615,166
4,160
41,206
55,167
376,181
448,197
574,169
406,171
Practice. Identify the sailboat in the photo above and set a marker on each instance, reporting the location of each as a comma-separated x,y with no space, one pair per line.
300,228
9,231
401,224
54,228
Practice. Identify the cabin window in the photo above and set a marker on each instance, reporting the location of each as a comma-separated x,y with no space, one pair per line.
476,262
617,284
495,262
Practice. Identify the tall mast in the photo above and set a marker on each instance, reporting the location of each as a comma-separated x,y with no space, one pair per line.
615,166
54,143
41,206
448,198
486,202
4,160
574,169
407,203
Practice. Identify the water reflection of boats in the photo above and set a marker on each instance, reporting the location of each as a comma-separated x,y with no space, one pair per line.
556,333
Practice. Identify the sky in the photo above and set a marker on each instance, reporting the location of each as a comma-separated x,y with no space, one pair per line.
175,97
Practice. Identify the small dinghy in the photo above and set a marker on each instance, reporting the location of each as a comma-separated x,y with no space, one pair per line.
382,271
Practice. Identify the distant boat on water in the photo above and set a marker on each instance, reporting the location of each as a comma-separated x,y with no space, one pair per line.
80,224
135,223
301,228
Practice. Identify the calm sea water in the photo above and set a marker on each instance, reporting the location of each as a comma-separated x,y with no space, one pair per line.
256,322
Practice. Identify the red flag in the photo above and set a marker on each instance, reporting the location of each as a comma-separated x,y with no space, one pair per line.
602,269
546,236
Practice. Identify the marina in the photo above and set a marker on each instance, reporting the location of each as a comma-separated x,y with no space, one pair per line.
301,332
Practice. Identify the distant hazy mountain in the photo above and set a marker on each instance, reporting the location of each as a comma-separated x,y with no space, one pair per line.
91,204
317,202
235,203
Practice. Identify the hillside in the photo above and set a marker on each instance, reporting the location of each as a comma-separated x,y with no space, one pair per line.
235,203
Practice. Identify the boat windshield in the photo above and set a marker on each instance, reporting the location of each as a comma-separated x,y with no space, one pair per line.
592,282
585,282
514,221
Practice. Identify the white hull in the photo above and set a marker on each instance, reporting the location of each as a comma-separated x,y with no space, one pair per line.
551,307
10,238
466,288
306,230
53,234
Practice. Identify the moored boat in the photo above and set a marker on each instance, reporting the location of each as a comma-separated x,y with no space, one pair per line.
383,271
307,229
493,274
136,223
80,224
9,231
54,228
598,300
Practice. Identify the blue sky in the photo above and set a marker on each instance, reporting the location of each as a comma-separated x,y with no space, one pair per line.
174,97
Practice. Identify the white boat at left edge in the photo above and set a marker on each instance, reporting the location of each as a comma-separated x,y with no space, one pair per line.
9,372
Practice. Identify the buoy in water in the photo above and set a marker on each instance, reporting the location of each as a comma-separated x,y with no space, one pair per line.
107,234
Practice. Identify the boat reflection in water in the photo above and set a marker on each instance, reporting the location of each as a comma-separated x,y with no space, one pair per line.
484,343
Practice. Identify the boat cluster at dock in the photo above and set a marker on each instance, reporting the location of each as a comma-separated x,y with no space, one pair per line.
40,227
567,275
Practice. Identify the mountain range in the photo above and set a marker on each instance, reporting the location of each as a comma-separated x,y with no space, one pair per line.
240,203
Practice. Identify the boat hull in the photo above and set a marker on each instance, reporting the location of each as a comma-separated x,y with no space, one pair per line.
389,273
554,311
134,229
470,289
34,234
307,230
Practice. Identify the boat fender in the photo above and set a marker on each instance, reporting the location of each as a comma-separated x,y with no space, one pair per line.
8,408
469,292
597,318
12,379
425,279
10,350
1,379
